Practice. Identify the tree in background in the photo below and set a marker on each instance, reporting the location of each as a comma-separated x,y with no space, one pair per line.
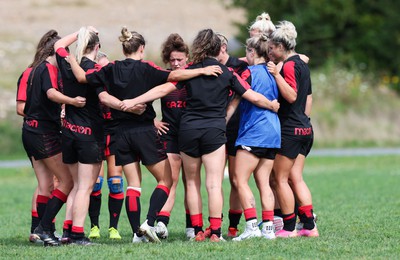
357,33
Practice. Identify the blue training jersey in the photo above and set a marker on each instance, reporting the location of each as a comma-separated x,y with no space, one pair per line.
260,127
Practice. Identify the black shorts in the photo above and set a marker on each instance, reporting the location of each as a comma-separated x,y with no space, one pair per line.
41,146
260,152
197,142
230,144
110,143
292,146
87,152
170,143
139,144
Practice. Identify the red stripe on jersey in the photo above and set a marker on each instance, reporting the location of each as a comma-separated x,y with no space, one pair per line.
241,81
96,68
62,52
290,75
23,85
53,71
153,65
246,74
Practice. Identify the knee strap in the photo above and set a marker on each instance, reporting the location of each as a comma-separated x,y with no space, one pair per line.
98,184
116,184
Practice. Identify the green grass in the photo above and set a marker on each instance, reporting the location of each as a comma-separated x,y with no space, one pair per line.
356,199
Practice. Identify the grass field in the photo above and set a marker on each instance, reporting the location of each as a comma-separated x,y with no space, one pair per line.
357,200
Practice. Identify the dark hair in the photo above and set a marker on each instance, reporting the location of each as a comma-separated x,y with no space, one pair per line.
174,42
207,43
45,47
131,40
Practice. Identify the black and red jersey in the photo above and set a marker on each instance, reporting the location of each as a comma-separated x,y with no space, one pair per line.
207,97
171,108
22,85
84,123
127,79
110,124
292,116
41,114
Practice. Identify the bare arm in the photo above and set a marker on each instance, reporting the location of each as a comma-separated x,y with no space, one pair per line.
20,108
56,96
79,73
232,106
66,41
261,101
113,102
308,105
110,100
152,94
285,89
179,75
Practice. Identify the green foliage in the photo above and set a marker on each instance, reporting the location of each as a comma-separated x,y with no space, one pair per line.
10,143
350,196
360,33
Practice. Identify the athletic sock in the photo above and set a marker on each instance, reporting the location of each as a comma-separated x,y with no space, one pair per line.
307,217
35,220
67,226
163,216
234,217
157,201
77,232
296,208
289,221
132,206
94,208
278,212
267,215
115,202
41,203
197,222
188,220
58,198
215,226
250,213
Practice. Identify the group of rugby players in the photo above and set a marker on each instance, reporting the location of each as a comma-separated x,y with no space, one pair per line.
252,112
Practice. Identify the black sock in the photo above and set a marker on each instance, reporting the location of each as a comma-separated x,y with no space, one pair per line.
41,203
234,218
188,220
34,221
53,207
289,222
115,202
163,219
94,209
157,201
132,206
278,212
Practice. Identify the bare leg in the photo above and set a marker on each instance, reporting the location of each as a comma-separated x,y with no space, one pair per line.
214,164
